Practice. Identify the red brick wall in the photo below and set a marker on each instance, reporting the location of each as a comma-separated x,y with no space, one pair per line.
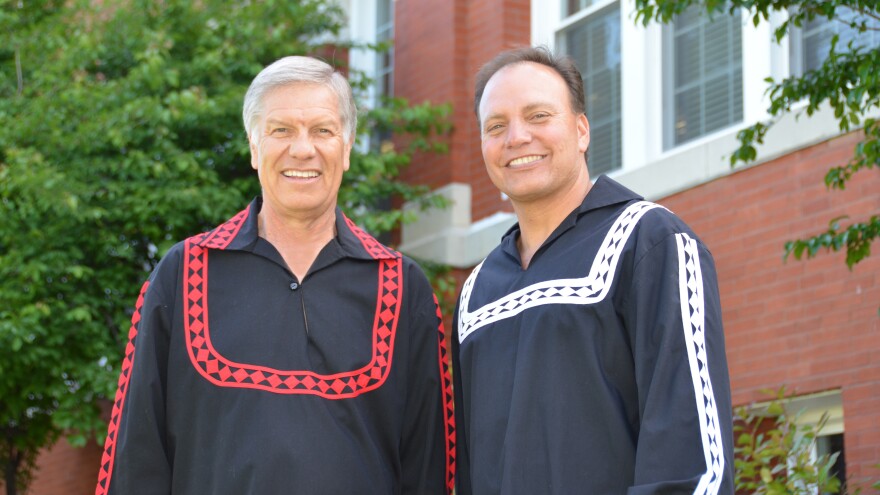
66,470
439,46
813,325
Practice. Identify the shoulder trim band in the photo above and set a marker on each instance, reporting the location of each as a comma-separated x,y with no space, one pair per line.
586,290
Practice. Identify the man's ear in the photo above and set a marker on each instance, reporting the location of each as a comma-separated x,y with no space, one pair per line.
255,153
583,128
346,160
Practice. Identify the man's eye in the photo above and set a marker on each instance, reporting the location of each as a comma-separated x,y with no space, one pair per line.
494,127
279,130
540,115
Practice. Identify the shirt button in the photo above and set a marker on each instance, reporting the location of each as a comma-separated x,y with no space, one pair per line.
294,286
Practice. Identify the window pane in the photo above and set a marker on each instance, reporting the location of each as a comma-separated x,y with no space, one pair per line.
384,12
385,32
688,117
687,50
829,444
705,89
718,51
594,44
816,46
816,37
601,158
575,6
719,109
688,18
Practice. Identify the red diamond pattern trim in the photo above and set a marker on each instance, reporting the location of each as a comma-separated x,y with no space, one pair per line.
226,373
105,471
220,237
448,412
373,247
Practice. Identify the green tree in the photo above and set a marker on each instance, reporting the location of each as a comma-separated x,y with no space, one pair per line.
121,135
847,81
775,453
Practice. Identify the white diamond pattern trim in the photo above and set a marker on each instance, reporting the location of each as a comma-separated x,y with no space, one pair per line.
692,317
586,290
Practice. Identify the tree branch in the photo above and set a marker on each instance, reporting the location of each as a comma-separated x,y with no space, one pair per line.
18,74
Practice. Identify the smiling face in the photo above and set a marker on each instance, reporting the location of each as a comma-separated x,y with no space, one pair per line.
533,143
299,151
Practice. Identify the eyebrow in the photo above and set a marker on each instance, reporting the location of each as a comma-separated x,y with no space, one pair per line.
323,122
528,108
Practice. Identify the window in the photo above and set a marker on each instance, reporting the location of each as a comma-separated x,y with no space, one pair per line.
811,43
593,42
830,444
703,90
810,410
384,71
385,60
575,6
818,426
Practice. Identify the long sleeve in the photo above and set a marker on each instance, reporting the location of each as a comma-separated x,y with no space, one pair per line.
427,446
135,460
673,317
462,471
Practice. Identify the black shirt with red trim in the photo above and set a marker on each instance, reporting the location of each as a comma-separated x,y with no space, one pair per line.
599,369
241,379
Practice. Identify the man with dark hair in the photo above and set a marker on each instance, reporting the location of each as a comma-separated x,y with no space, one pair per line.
589,353
285,351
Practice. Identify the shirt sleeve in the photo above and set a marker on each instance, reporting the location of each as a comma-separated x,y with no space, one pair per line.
427,446
673,317
462,470
135,459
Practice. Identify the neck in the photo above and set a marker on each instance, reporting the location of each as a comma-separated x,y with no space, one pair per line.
297,239
538,219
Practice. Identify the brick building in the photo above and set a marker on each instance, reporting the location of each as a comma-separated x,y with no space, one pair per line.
664,103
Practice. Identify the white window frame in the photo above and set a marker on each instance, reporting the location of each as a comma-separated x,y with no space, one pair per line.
362,29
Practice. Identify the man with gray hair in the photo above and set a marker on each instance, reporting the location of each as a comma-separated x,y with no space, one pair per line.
285,351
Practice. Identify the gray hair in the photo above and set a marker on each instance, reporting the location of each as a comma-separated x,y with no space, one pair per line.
299,70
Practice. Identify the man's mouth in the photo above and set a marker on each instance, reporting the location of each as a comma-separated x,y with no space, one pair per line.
300,174
525,160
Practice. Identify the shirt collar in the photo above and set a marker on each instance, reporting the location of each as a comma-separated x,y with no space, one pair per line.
604,192
242,230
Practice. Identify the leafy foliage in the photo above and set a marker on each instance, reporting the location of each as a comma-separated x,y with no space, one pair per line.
774,455
856,238
847,82
121,135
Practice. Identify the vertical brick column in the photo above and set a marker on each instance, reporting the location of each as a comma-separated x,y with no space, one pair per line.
439,46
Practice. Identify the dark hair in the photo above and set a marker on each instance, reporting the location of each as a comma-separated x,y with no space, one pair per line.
562,65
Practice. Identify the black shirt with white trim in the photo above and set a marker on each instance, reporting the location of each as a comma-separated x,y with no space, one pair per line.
601,368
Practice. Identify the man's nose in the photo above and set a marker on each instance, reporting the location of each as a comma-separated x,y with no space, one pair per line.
301,146
517,134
